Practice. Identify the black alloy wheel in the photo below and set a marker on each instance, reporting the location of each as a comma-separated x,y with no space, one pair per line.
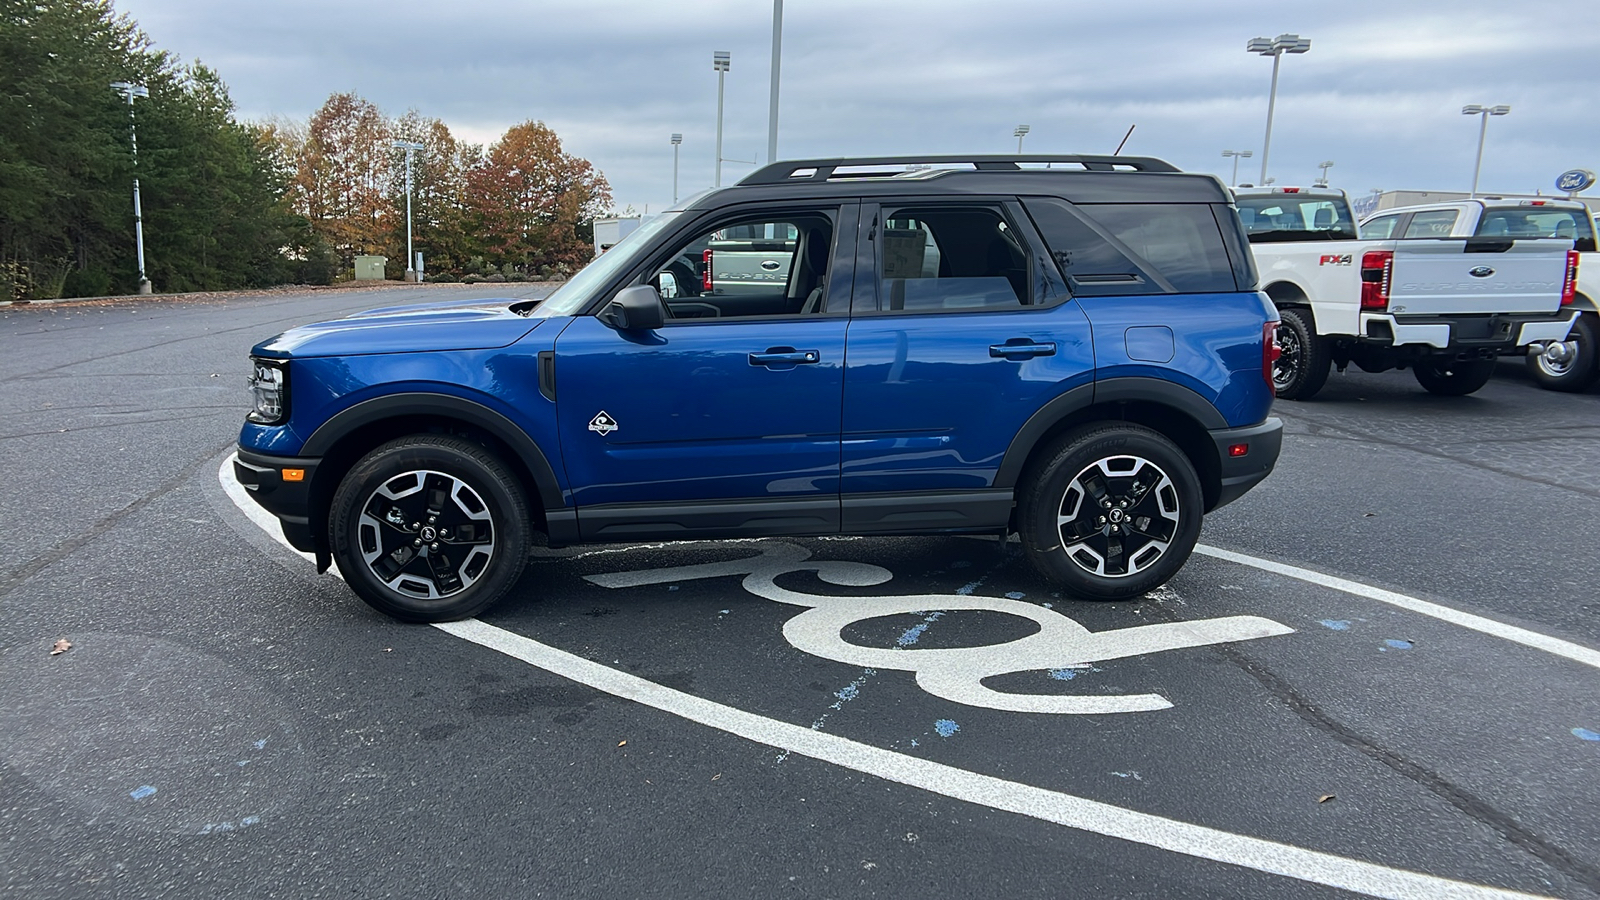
429,529
1302,365
1112,511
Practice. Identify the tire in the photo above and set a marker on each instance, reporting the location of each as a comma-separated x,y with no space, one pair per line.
1453,378
1580,366
1138,476
1302,366
429,528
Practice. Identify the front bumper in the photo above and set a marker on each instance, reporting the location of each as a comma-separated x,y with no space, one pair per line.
1503,331
1241,473
288,498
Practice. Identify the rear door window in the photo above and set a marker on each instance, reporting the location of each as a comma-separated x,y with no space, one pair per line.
950,258
1379,229
1135,248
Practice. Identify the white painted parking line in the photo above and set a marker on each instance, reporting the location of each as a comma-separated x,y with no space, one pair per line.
1060,808
1566,649
996,793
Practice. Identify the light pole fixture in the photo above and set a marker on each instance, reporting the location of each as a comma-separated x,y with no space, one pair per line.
409,147
131,91
1020,133
772,105
1275,48
1325,165
1237,155
1484,112
676,140
720,61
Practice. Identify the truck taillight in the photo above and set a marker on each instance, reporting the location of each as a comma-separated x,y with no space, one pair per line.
1269,353
1377,268
1569,287
705,279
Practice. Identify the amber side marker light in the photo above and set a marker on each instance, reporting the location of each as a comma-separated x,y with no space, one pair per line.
1239,450
300,474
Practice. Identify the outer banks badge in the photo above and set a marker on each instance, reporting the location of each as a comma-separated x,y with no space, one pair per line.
603,424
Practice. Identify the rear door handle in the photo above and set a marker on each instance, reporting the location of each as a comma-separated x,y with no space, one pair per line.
1022,348
784,357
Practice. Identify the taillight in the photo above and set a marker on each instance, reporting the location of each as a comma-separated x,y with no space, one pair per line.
1569,288
1377,268
705,280
1269,353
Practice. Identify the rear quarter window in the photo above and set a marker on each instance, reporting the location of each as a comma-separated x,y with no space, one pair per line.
1139,248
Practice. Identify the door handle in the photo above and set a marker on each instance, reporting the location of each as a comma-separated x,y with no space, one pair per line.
785,356
1022,348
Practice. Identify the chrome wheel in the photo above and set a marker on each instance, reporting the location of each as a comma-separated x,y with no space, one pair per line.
426,534
1118,516
1557,358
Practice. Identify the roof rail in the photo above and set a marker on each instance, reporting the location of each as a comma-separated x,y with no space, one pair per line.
800,171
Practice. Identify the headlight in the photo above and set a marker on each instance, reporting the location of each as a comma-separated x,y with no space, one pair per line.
269,388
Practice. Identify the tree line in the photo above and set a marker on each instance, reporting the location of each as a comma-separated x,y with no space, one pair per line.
235,204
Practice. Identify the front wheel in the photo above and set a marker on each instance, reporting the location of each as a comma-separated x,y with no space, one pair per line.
1569,366
1111,511
1453,378
429,528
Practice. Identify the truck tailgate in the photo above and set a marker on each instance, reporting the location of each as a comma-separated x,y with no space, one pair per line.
1477,275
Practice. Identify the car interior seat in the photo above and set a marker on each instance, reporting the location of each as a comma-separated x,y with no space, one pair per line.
1323,220
815,261
1005,260
1566,230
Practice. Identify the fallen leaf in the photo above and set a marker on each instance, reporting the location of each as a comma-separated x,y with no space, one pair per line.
1369,515
60,647
1325,798
716,776
623,744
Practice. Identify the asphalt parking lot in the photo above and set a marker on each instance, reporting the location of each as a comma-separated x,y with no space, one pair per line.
1377,677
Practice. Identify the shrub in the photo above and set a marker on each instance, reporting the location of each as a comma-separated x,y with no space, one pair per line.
87,283
535,277
516,276
472,279
496,278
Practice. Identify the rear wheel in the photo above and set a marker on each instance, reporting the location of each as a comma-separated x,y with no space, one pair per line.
429,529
1570,365
1111,511
1302,366
1453,378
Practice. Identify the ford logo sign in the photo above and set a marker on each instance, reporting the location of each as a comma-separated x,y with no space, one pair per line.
771,265
1481,272
1574,180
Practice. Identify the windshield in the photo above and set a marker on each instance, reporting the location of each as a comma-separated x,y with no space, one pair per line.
1280,217
1534,221
576,293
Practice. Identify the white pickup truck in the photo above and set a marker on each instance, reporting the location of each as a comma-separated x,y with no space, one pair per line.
1559,365
1444,308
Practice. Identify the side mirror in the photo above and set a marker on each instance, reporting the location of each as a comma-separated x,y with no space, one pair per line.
638,308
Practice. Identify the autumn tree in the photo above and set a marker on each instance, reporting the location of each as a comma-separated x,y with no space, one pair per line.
344,168
528,200
438,193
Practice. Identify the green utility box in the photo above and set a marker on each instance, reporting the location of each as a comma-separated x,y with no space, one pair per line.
370,268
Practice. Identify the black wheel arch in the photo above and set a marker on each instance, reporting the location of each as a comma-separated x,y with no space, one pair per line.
1172,410
348,436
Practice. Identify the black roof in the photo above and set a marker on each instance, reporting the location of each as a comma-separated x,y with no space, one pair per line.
1078,178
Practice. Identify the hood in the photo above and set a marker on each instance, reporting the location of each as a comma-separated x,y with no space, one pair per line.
456,325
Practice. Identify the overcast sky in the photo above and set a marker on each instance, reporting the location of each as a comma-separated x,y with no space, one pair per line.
1380,93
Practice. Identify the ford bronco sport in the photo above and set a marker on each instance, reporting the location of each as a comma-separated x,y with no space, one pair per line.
1069,348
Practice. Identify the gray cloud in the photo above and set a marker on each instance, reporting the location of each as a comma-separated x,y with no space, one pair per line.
1379,93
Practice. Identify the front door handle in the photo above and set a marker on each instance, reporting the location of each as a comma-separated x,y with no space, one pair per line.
784,357
1022,348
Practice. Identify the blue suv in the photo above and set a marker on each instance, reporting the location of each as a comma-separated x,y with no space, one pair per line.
1068,348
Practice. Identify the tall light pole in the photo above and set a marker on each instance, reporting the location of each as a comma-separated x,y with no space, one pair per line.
1020,133
772,105
411,260
1483,128
1275,48
1325,165
676,140
131,91
1237,155
720,61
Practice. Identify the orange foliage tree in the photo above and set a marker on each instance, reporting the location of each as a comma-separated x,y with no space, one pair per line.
343,167
528,199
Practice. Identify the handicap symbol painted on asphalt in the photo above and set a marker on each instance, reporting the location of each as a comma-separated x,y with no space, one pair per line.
954,674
